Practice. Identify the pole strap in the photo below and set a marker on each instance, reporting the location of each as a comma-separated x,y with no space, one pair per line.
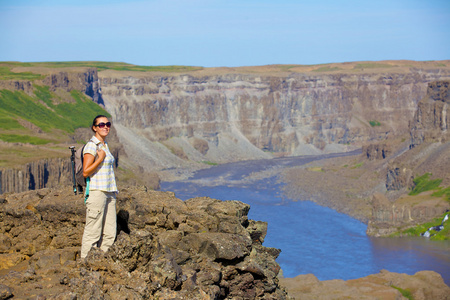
86,193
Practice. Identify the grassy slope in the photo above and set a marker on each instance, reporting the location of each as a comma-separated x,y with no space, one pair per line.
44,119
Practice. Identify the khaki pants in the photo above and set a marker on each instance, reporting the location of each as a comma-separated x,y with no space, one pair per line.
100,229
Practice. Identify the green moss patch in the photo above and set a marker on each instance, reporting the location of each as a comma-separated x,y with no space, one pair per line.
444,234
405,292
443,192
424,183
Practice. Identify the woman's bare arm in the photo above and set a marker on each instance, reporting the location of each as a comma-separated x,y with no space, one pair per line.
90,164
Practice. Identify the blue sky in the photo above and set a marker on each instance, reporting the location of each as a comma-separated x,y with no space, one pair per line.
213,33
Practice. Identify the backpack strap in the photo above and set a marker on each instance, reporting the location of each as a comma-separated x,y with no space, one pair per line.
88,179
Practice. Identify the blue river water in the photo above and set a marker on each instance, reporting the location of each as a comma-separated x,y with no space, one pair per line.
313,239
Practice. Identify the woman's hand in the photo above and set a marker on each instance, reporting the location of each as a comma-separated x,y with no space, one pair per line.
101,154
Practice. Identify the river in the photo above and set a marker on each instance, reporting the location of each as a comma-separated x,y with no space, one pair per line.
313,239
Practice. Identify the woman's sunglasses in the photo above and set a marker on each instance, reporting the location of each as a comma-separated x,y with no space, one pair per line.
101,125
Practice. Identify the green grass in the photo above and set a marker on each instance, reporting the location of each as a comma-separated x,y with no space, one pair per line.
6,74
405,293
374,123
326,69
442,192
417,230
9,123
424,183
46,110
287,67
210,163
99,65
26,139
357,166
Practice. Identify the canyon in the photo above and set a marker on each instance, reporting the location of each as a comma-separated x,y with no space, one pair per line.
167,125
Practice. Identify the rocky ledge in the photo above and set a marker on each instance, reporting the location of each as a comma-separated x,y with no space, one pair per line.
165,249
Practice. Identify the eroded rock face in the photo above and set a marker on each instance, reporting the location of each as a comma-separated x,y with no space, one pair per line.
432,118
388,216
429,152
35,175
399,177
166,248
86,82
377,151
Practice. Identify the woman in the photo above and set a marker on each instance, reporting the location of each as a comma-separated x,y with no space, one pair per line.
98,162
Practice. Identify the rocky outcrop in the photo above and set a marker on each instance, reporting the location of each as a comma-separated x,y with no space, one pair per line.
432,118
17,85
36,175
377,151
398,178
388,216
165,249
86,82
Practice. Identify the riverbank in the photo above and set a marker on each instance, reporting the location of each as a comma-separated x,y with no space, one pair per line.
384,285
378,191
344,184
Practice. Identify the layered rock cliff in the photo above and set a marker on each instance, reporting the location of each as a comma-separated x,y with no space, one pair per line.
245,116
35,175
429,153
431,120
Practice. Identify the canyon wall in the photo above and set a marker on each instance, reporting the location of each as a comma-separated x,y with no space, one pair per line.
432,118
258,115
36,175
84,80
429,152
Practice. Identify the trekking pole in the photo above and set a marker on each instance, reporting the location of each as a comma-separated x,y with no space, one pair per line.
72,159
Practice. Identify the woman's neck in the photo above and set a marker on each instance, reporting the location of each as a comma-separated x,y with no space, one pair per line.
100,138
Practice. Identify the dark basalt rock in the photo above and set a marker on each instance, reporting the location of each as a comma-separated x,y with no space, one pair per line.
165,249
